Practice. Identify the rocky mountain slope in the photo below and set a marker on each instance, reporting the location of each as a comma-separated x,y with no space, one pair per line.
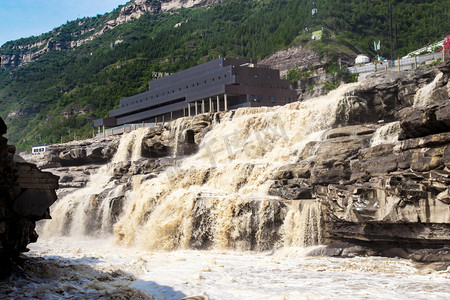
86,30
54,85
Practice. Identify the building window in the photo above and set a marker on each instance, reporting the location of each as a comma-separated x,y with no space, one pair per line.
272,99
253,97
259,98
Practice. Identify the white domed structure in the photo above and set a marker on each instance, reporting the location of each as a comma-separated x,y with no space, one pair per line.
362,59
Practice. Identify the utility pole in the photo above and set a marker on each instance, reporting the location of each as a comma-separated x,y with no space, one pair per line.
314,11
390,29
396,43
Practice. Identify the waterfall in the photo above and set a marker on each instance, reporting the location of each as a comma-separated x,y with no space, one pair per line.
130,146
217,197
303,226
424,95
386,134
91,210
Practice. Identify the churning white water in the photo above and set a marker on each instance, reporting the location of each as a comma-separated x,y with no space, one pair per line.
99,269
386,134
233,167
76,212
226,183
424,95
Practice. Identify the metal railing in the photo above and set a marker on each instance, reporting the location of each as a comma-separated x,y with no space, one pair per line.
123,129
403,64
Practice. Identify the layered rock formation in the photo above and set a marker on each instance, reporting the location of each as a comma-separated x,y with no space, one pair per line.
383,196
380,177
26,194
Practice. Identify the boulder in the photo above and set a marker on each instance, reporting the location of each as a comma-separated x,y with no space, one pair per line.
419,122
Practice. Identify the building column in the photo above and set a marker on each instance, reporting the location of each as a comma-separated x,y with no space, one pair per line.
210,105
156,120
196,108
203,106
163,119
218,104
184,112
225,102
189,109
103,131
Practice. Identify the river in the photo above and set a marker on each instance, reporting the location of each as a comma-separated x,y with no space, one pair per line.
218,200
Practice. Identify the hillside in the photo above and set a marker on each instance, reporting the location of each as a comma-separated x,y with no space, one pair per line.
53,86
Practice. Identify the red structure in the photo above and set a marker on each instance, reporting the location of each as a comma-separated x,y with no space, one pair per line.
447,43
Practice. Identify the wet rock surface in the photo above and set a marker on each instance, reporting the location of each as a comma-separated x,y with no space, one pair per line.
26,194
381,175
78,153
377,199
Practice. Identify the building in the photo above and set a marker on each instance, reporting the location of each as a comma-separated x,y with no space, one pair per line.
38,149
218,85
362,59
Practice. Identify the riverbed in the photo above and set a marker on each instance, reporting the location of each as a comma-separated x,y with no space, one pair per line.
67,268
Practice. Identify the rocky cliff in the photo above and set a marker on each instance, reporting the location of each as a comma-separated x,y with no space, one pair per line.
22,54
378,177
26,194
383,186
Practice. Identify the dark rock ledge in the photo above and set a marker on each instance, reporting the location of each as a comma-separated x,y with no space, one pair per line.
391,199
26,194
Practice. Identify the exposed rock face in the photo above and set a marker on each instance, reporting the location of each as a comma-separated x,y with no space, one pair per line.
135,9
389,197
77,153
164,141
26,194
131,11
380,176
305,60
284,60
78,162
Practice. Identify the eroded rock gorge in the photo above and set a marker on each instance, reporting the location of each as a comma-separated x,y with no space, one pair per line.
373,174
